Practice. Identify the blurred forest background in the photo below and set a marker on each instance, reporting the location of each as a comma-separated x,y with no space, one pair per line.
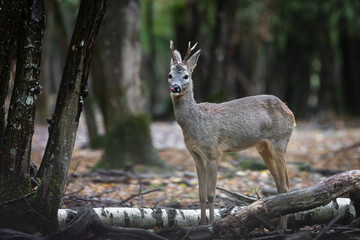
304,52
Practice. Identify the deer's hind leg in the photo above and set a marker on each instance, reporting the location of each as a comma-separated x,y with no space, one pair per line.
273,154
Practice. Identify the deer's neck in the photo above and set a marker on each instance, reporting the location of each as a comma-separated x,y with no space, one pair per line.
185,108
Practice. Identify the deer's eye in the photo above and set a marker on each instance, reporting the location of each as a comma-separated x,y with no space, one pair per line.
170,76
186,77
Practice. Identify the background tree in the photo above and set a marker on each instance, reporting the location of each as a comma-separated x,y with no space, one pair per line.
124,94
23,205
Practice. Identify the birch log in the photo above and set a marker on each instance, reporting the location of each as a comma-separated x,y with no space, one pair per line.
148,218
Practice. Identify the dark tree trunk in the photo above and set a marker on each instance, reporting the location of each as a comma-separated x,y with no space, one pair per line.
150,58
43,111
212,74
351,72
65,120
327,93
10,22
20,123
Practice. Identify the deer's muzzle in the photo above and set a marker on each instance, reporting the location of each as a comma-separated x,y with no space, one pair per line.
175,88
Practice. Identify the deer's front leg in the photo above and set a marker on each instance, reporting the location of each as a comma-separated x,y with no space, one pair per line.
202,178
212,166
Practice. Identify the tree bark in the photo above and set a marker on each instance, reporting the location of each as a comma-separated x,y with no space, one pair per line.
11,23
65,120
128,139
20,122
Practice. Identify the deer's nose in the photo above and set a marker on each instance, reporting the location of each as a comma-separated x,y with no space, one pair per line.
175,88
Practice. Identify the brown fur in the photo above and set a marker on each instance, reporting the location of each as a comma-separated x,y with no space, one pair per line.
210,129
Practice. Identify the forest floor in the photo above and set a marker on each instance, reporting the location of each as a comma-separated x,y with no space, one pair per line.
313,153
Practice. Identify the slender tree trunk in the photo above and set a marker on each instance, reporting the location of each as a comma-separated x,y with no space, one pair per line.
327,93
230,46
150,58
42,112
214,71
91,122
98,75
65,120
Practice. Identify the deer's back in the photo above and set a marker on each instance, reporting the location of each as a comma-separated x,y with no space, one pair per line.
243,122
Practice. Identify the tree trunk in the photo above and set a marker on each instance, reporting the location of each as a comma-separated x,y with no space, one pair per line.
43,110
350,48
128,140
65,120
91,122
150,57
10,22
15,171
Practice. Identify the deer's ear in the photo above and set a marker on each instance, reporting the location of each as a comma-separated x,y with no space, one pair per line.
191,63
177,56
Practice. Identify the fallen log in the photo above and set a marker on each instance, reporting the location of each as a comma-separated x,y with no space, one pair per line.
148,218
262,211
86,223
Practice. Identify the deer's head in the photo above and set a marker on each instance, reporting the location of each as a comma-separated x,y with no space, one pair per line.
181,70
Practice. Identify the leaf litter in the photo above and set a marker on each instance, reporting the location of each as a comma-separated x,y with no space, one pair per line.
313,153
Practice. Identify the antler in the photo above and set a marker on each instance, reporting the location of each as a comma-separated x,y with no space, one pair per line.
188,52
172,52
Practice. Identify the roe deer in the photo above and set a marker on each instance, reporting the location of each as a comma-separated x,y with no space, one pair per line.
210,129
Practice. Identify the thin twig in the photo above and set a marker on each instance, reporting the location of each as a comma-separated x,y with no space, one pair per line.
140,190
36,212
139,194
238,196
19,198
346,148
71,176
188,231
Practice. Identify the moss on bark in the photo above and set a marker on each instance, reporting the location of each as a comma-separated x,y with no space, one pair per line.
129,142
